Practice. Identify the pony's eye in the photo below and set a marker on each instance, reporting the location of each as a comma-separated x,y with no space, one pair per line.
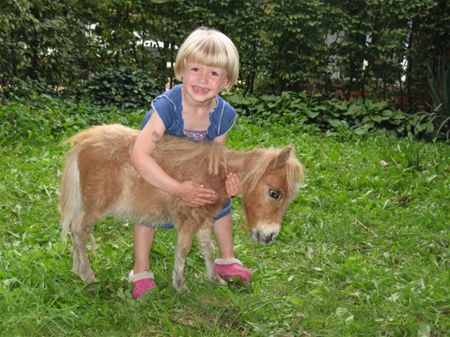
275,195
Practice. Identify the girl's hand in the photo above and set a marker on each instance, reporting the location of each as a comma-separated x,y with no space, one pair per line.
233,184
196,194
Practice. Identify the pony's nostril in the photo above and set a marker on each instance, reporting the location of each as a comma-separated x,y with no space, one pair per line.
269,238
264,234
258,236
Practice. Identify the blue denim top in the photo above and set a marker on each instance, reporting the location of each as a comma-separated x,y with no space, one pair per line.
170,110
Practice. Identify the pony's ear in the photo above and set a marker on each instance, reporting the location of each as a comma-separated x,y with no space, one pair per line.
283,156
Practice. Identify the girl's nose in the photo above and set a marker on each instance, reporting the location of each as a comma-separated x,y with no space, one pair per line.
202,76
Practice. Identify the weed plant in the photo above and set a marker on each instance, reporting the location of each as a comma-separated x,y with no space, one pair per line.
363,250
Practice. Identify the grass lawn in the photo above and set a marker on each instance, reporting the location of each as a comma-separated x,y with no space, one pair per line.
364,249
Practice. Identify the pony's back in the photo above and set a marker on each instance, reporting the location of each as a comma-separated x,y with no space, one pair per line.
171,152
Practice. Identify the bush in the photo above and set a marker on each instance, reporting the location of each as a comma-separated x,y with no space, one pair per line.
361,117
17,89
125,88
45,117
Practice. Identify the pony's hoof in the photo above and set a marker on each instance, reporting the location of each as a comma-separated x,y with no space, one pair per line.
182,289
217,280
87,277
179,285
221,282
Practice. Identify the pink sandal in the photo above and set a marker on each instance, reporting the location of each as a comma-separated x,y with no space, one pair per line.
230,268
142,283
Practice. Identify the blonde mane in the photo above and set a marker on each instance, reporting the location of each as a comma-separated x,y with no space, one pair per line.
186,150
295,174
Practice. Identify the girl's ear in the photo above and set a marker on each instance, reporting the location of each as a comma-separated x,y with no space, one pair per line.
225,85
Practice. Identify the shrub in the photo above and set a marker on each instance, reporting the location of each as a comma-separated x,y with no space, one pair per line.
17,89
360,116
125,88
45,117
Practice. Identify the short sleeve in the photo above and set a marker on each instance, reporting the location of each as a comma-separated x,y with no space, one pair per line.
165,109
227,118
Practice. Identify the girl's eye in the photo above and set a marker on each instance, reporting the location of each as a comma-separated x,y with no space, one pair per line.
194,69
215,74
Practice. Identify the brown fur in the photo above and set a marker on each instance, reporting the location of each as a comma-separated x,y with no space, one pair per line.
98,180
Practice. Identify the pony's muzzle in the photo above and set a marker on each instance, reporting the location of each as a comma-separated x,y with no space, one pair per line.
265,233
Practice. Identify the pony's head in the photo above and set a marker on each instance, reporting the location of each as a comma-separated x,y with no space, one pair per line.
267,190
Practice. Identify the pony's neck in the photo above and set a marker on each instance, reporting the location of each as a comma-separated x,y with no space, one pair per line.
240,162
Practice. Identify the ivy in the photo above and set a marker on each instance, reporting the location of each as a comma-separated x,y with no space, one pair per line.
333,115
123,87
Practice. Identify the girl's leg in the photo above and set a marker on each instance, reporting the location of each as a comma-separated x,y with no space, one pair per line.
141,276
223,231
228,266
143,241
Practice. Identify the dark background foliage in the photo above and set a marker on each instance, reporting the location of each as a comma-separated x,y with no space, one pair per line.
396,51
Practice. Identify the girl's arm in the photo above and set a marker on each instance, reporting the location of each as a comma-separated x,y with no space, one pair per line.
150,170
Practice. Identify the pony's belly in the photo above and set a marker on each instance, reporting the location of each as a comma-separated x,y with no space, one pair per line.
148,219
155,222
151,214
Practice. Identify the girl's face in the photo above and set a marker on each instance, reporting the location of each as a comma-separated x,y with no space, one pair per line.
202,83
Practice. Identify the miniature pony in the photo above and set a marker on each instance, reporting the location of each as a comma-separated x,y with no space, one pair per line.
98,180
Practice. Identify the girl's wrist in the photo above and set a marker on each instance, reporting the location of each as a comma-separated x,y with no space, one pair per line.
176,189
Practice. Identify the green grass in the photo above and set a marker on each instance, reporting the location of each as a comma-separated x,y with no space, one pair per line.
363,250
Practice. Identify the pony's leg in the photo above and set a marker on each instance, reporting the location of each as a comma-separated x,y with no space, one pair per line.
81,228
75,251
207,249
182,249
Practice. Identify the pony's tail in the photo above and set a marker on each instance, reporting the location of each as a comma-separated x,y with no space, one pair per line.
70,203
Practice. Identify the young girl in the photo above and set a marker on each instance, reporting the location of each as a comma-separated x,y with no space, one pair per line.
206,63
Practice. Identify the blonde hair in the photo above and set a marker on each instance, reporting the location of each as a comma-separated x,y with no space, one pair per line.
212,48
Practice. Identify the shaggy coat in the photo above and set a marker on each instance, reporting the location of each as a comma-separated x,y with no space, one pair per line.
98,180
